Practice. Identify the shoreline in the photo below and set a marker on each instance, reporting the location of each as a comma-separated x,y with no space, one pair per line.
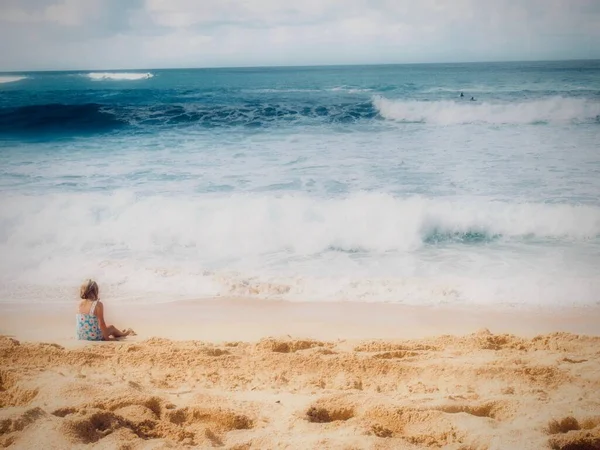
223,319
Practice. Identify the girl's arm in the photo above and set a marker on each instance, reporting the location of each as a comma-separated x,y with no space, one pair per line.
99,311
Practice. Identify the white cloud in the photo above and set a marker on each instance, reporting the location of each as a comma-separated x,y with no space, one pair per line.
184,13
190,33
65,13
72,12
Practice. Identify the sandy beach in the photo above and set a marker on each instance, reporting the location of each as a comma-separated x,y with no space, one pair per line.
243,374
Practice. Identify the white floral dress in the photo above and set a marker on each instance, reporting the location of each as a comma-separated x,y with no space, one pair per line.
88,327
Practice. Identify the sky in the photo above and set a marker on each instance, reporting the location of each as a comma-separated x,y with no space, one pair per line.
137,34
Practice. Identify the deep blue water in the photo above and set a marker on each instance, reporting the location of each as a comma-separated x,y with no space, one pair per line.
372,183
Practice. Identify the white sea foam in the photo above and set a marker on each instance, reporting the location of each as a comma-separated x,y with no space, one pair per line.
350,90
368,247
346,89
279,90
11,78
552,110
118,76
537,87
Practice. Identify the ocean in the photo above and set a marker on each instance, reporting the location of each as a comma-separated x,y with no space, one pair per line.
359,183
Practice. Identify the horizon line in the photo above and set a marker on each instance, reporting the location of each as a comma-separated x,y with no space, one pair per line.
292,66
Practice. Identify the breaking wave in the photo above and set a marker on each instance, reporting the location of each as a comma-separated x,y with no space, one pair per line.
119,76
11,79
56,118
210,246
232,226
552,110
95,117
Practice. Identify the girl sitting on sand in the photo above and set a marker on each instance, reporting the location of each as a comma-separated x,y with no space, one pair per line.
90,317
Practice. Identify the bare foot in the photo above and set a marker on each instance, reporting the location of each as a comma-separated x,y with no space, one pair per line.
129,332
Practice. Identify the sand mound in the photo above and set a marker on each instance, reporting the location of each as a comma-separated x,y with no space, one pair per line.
458,392
576,440
498,410
221,419
413,426
572,434
136,413
146,420
287,346
21,421
11,391
385,346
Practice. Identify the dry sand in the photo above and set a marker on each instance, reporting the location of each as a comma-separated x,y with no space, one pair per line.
475,391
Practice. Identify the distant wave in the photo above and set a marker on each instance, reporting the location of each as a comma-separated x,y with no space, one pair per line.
11,79
343,89
553,110
56,118
350,90
279,91
94,117
119,76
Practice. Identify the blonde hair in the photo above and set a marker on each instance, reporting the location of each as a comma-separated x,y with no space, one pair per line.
89,290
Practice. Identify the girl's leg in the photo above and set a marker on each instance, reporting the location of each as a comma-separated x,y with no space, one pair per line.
115,332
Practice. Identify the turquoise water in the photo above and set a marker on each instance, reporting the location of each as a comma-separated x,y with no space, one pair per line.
374,183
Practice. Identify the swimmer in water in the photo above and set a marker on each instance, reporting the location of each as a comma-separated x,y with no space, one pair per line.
462,95
472,99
